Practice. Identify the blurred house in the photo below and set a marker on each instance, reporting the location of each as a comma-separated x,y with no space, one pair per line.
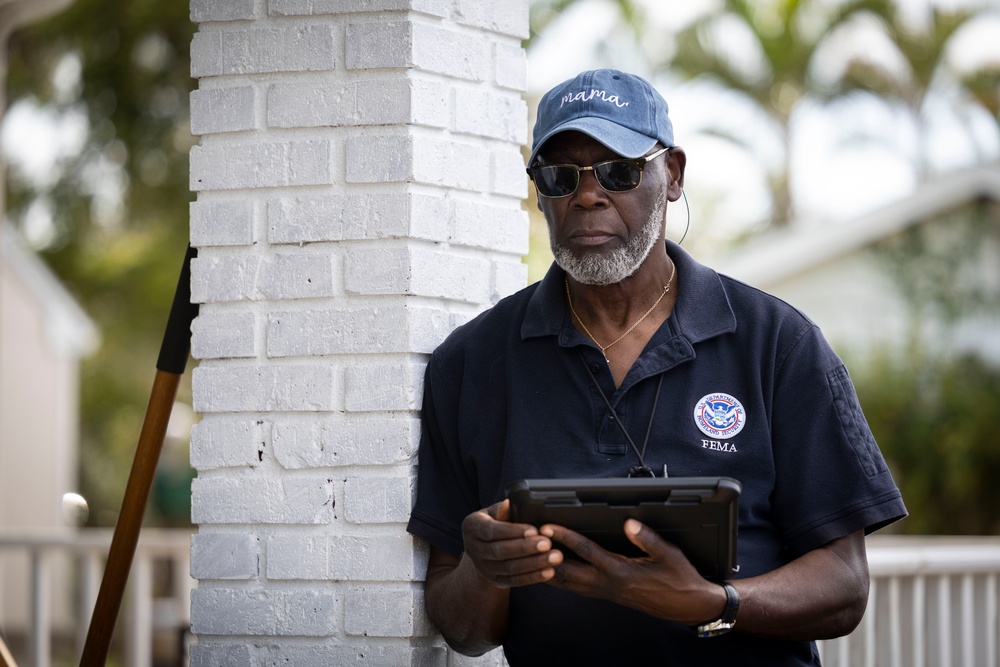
43,335
924,270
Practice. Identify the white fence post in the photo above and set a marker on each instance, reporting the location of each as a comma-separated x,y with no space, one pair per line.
359,184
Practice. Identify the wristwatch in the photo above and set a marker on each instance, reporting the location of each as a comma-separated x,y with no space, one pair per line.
728,620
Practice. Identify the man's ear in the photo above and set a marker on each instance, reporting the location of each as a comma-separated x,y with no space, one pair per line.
676,161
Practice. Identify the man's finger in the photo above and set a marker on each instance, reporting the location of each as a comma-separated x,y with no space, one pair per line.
500,511
647,539
577,543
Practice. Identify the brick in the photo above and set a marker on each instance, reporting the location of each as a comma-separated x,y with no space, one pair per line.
224,556
340,331
508,277
338,652
223,334
221,611
221,10
342,558
292,388
228,222
356,440
230,109
357,103
370,500
509,177
429,103
370,330
490,227
357,217
454,53
385,611
224,278
506,18
418,45
204,654
315,7
299,276
226,442
450,163
368,45
262,50
430,160
510,67
262,500
379,159
490,114
418,272
388,386
228,166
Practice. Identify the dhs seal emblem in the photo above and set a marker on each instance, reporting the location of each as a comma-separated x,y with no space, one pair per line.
719,416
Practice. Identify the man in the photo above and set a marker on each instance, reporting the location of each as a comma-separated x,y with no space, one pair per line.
715,377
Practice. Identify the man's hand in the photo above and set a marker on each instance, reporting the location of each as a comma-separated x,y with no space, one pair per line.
467,598
664,583
507,554
819,595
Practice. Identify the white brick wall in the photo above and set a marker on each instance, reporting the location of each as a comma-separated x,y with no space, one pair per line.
359,187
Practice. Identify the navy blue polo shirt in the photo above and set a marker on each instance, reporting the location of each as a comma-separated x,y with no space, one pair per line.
750,390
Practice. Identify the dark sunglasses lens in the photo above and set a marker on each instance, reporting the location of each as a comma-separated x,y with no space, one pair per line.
556,181
619,175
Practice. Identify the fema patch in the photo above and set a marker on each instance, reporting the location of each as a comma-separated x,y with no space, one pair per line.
719,416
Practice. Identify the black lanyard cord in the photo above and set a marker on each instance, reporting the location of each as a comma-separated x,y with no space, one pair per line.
641,470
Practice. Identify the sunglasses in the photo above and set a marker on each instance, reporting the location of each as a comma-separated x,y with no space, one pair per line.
562,180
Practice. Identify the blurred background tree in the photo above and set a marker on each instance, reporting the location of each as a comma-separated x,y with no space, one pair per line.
109,215
935,420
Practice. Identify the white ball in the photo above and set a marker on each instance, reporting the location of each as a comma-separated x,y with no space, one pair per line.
75,509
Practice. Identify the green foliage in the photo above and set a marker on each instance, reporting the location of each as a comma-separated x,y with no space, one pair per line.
121,257
936,423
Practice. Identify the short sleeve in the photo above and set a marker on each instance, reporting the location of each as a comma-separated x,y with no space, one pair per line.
831,477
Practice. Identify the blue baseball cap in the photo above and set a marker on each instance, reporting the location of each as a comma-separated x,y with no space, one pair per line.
620,110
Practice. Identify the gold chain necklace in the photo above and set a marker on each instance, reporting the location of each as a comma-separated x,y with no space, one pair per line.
569,299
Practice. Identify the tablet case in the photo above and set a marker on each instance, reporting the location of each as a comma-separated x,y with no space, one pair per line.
698,514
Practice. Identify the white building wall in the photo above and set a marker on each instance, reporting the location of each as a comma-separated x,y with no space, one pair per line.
359,183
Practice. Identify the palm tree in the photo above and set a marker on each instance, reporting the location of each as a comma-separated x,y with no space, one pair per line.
922,47
787,35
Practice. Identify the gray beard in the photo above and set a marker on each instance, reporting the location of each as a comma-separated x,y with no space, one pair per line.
599,269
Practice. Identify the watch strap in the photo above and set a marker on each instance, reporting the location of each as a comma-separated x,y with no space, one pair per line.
728,619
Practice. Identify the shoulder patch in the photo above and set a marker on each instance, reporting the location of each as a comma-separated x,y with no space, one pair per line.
719,415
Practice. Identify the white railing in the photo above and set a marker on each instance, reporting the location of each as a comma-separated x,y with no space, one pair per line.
87,550
933,603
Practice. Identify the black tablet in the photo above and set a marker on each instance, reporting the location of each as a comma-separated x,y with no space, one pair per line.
698,514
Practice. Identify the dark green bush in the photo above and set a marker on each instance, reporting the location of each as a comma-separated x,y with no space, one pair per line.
938,424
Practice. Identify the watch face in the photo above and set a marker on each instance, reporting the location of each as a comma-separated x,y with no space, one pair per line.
714,629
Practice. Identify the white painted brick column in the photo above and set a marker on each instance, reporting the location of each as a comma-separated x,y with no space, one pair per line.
359,190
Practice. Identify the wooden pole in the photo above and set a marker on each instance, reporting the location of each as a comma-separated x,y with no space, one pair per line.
6,659
170,365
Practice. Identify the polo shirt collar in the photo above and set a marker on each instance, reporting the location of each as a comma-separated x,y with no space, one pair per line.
702,310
